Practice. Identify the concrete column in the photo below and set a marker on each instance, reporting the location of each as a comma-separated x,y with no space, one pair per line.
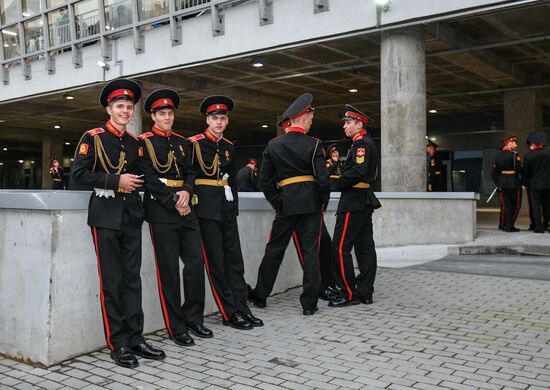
51,147
522,115
136,124
403,109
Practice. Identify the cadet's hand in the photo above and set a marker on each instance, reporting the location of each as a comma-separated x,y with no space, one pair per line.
429,188
129,182
183,200
184,211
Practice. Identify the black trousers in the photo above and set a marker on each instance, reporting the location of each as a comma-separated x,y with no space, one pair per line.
510,201
540,207
353,229
172,241
327,257
223,259
119,263
308,228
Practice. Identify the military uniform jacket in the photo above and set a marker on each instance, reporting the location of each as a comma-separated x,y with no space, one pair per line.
334,169
536,170
361,166
506,169
435,171
102,155
211,159
289,155
247,179
166,156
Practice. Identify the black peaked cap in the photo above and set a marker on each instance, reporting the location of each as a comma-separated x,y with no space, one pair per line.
216,100
121,84
299,105
165,95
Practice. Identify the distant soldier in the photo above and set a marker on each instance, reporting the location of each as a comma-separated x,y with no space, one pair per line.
247,176
536,171
506,173
334,166
173,224
436,169
107,160
56,173
295,182
217,207
357,203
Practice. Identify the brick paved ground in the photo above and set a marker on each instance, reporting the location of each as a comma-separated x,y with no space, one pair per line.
426,330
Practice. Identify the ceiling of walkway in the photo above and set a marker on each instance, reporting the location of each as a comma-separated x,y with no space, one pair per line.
470,63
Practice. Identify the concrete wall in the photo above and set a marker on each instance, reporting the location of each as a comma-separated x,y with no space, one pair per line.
49,284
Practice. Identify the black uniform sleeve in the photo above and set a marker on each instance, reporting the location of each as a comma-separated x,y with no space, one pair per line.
321,174
232,172
161,192
188,170
359,170
83,165
269,181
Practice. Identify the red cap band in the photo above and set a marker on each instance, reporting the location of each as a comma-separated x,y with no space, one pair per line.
120,92
357,116
214,107
333,148
303,112
162,102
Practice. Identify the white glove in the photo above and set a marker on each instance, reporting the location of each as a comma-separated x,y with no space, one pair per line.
227,189
102,193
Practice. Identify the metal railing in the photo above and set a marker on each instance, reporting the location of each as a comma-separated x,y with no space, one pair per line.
102,24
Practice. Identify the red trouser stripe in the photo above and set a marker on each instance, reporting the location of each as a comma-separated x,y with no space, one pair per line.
501,209
340,246
298,249
319,247
161,294
214,292
101,295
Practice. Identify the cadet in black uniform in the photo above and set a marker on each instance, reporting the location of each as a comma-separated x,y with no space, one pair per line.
247,176
357,203
174,227
295,182
213,158
56,173
506,175
334,166
436,169
107,160
536,175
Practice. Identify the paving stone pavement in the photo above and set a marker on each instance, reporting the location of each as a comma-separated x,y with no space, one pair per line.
426,330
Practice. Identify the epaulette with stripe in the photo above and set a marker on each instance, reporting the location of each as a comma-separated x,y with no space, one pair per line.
196,137
226,140
178,135
146,135
95,131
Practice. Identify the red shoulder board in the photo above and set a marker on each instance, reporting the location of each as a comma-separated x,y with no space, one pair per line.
131,135
145,135
196,137
178,135
93,132
226,140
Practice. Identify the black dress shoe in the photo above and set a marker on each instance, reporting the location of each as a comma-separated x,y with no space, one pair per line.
328,294
367,300
252,297
147,351
183,339
538,230
238,321
255,321
510,229
201,331
343,301
310,312
124,358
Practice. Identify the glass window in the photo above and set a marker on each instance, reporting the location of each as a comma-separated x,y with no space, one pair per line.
31,7
11,42
8,11
58,23
117,13
53,3
151,8
87,18
34,39
184,4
